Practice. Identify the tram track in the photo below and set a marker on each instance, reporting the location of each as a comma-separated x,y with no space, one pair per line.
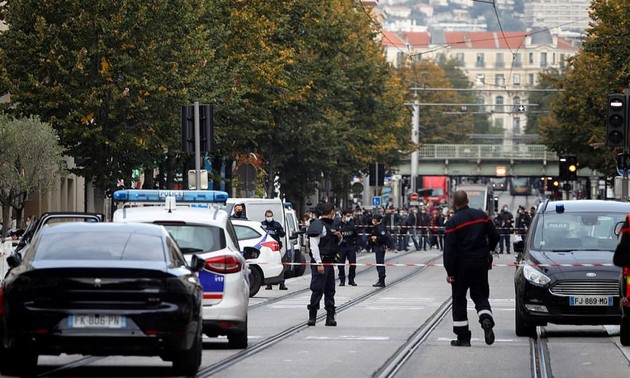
539,354
292,330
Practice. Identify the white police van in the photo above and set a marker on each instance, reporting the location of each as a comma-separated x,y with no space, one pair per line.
200,226
254,209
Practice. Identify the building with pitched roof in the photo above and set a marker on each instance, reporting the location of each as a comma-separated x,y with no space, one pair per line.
502,67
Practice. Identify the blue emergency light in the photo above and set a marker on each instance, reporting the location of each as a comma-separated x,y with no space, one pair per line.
187,196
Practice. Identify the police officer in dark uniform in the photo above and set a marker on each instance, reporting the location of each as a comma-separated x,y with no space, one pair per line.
379,238
324,247
347,248
470,236
275,230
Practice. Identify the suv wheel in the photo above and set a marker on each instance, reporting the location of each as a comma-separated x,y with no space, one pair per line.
300,269
187,362
523,327
238,340
624,332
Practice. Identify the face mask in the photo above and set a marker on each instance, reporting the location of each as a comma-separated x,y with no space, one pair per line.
269,219
348,219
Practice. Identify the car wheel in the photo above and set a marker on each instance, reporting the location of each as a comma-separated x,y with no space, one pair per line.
17,361
238,340
523,327
624,331
300,269
187,362
255,280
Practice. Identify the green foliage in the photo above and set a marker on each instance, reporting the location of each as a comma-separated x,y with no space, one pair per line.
577,123
30,158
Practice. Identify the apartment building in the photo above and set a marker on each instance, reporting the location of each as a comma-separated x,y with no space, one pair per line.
503,67
561,14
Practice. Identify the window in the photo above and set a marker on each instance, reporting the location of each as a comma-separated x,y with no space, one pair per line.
194,239
399,59
479,62
460,58
517,60
543,59
531,58
499,63
516,101
481,101
480,79
499,79
244,232
499,105
516,79
516,125
530,79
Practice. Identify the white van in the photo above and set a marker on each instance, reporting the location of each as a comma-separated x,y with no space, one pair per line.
254,209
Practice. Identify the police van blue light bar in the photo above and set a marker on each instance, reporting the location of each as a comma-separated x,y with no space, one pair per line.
188,196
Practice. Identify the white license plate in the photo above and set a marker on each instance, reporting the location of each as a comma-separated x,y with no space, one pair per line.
97,321
591,301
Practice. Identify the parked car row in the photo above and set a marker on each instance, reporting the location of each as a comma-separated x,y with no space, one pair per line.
101,288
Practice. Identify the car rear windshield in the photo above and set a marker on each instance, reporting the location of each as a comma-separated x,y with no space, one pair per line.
576,231
197,238
100,246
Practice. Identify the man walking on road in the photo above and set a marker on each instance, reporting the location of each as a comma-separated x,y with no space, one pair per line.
470,237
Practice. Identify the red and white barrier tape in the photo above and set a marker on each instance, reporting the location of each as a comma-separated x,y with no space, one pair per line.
442,265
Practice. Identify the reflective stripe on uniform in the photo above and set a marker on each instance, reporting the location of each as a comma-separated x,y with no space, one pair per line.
460,323
486,312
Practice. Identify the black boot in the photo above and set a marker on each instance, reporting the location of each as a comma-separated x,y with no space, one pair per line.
463,340
330,318
352,283
487,324
380,283
283,287
342,281
312,317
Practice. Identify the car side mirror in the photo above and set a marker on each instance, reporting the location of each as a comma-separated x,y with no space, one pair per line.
14,260
197,263
618,227
251,253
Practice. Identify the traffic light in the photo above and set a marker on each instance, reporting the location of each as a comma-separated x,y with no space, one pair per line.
377,174
206,135
562,168
617,121
572,168
188,128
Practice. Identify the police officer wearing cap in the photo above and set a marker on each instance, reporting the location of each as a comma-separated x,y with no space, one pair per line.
324,246
379,239
470,237
347,248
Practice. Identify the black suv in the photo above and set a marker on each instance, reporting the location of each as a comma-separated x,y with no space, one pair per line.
565,273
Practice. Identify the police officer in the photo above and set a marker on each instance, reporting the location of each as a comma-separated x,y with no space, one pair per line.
324,246
275,230
470,235
379,238
347,248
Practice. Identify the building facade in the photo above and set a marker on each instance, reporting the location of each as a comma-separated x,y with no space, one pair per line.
503,67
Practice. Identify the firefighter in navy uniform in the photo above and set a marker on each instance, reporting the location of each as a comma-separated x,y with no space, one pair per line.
324,246
347,248
470,236
379,238
275,230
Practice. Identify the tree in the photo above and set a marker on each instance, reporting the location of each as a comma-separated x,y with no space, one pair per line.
577,124
110,77
30,160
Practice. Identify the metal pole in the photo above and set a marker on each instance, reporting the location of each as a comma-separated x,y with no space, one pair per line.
415,138
197,148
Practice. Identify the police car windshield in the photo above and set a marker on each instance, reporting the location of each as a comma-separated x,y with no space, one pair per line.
197,238
564,232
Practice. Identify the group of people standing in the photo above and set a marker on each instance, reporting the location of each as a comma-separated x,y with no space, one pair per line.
508,225
470,236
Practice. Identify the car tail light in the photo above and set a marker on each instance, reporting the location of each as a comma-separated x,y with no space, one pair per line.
224,264
274,245
626,277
